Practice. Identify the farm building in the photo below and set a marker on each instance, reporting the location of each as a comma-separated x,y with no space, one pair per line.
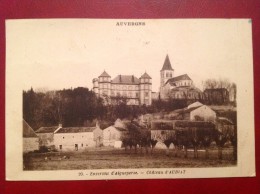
30,139
200,113
46,135
74,138
112,134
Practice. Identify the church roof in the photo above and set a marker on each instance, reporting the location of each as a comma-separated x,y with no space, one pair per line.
104,74
179,78
125,79
167,64
145,75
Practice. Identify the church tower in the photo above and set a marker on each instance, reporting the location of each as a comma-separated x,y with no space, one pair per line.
166,71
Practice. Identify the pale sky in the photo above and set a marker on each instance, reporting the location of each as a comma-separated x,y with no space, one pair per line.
57,54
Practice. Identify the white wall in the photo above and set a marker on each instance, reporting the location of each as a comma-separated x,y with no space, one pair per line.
204,112
110,135
68,141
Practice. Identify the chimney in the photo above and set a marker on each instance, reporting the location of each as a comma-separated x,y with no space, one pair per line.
97,124
133,80
60,125
120,79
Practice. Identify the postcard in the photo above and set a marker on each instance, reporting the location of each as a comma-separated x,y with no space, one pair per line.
91,99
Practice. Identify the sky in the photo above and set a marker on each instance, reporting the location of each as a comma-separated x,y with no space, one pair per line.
69,53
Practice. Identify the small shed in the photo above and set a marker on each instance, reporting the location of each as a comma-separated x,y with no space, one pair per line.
30,139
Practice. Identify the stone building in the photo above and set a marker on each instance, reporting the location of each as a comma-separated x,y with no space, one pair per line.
74,138
30,139
46,136
136,91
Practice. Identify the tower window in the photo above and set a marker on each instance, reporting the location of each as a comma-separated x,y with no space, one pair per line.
146,94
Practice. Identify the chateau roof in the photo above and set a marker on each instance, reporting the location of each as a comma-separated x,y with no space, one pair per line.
27,130
47,129
167,64
179,78
104,74
76,129
126,79
145,75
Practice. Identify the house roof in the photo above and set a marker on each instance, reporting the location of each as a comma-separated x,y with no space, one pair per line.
104,74
195,104
167,64
215,90
225,121
126,79
200,124
76,129
27,130
121,129
179,78
47,129
145,75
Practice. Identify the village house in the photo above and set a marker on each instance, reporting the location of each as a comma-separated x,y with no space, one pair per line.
77,138
30,139
112,134
198,112
46,136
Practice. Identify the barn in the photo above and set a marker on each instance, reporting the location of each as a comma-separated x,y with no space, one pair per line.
198,113
30,139
46,136
203,113
74,138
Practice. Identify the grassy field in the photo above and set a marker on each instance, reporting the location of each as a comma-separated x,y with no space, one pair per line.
109,158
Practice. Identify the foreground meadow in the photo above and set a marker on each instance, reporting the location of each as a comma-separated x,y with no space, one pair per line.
109,158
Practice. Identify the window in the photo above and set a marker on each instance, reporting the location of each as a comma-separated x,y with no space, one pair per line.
60,147
136,87
130,88
112,93
118,93
146,87
130,94
146,94
124,93
136,95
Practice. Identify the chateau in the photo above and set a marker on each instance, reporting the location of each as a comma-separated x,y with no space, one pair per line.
138,91
135,91
179,87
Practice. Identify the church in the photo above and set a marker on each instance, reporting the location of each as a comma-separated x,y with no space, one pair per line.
179,87
136,91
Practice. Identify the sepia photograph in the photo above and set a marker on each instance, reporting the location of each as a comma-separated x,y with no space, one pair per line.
129,99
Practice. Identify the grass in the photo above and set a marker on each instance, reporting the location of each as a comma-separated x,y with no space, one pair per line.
109,158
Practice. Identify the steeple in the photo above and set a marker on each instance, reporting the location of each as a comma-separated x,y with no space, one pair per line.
167,64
